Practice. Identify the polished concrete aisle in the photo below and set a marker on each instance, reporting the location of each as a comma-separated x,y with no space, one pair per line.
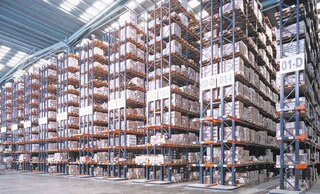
27,183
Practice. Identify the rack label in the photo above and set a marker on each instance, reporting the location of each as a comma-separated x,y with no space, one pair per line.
152,95
164,92
116,103
14,127
158,94
207,83
27,124
88,110
62,116
3,129
225,79
292,63
43,120
218,80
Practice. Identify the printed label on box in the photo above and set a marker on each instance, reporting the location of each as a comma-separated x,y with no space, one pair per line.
14,127
43,120
292,63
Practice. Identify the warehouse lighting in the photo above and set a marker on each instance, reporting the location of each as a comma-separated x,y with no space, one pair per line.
66,7
85,17
92,11
194,3
140,1
99,5
74,2
1,66
4,49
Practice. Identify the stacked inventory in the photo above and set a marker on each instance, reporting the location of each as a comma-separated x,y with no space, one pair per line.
126,97
237,93
17,125
172,93
93,104
10,156
47,115
31,116
298,130
67,114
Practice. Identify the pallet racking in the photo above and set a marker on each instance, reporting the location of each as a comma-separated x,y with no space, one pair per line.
31,116
298,131
126,97
237,94
67,112
93,103
171,99
23,160
10,156
47,115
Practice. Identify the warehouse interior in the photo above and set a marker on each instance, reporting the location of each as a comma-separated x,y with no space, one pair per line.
159,96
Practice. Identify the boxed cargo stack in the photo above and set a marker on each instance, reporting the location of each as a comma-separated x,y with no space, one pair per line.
67,107
237,93
127,72
172,92
48,108
299,95
93,110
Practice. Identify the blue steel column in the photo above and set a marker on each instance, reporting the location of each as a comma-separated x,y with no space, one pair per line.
201,101
282,165
221,99
297,103
233,97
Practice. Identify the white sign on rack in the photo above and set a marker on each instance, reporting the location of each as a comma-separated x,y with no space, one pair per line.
3,129
27,124
292,63
117,103
157,94
43,120
164,92
62,116
218,80
14,127
88,110
209,82
152,95
225,79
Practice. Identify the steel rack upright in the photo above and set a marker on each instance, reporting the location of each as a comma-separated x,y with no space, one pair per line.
237,72
93,104
48,113
17,125
126,97
31,115
172,93
298,129
6,119
68,110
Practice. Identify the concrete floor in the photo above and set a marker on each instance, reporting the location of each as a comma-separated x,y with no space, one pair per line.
27,183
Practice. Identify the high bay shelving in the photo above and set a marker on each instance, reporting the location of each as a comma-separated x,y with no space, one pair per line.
167,96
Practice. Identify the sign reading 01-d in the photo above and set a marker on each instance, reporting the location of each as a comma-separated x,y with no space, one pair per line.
292,63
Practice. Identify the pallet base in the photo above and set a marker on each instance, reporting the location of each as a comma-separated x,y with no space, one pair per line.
215,187
278,191
155,182
112,178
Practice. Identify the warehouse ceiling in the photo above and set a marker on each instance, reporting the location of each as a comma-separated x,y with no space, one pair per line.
29,26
